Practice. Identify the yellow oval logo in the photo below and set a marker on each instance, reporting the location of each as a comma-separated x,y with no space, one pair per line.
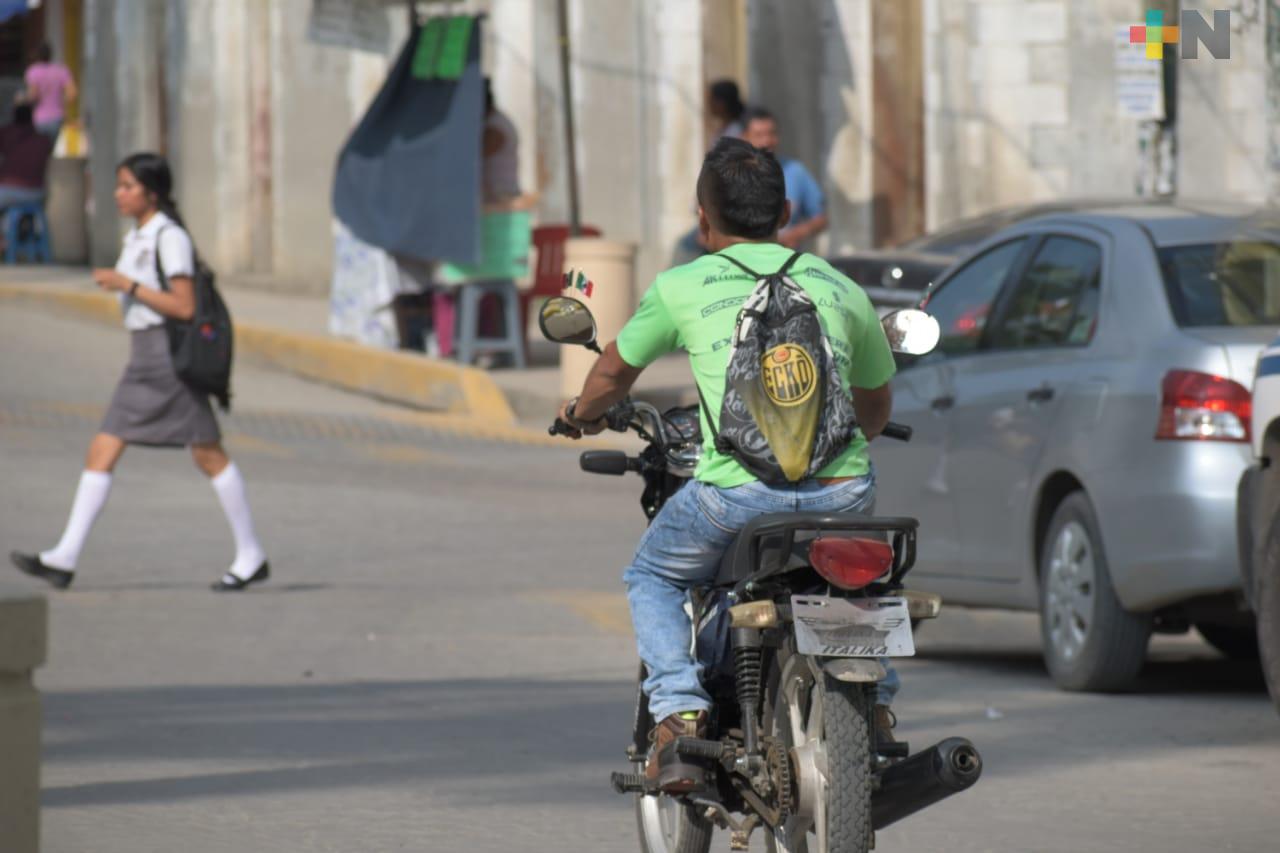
788,374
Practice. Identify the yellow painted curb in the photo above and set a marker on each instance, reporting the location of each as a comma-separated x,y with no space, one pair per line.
409,379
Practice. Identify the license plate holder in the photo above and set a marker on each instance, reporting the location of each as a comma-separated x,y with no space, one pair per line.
852,627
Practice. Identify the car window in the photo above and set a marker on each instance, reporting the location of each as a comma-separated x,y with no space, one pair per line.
962,304
1223,284
1056,301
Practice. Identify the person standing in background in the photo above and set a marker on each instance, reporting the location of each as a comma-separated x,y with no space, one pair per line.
725,108
151,405
49,87
500,166
24,157
808,204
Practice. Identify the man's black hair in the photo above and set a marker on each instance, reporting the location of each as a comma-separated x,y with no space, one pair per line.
742,190
751,114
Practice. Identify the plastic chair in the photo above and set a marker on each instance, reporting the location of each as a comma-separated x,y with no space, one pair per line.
469,340
548,241
33,242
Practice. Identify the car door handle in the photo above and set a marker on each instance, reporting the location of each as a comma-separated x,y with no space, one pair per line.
941,404
1040,395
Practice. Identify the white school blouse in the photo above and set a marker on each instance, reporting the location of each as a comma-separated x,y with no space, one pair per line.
138,262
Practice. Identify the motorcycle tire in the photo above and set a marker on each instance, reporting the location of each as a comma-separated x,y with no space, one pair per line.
846,738
667,825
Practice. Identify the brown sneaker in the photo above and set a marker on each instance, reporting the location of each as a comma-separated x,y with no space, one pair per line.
885,723
665,769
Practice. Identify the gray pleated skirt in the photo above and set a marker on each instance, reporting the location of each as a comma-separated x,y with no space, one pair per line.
152,406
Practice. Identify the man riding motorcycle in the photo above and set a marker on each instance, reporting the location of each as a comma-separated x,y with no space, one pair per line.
741,207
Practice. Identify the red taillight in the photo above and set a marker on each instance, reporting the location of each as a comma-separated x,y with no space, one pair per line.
851,563
1200,406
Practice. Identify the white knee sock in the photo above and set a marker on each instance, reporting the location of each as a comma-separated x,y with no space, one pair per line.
249,554
91,495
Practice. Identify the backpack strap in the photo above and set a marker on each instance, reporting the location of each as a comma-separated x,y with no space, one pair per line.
164,281
749,271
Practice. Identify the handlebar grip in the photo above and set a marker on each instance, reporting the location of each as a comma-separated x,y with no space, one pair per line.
559,428
901,432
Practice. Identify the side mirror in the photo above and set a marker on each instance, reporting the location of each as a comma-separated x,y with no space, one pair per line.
564,320
911,331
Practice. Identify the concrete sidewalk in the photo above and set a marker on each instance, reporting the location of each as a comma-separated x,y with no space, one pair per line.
290,332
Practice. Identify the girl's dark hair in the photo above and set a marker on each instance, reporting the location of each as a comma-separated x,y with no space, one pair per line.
152,171
44,53
726,92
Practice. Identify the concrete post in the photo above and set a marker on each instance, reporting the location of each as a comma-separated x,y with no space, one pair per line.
68,228
23,621
610,265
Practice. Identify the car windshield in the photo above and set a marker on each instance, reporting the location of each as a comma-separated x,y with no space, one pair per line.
1223,284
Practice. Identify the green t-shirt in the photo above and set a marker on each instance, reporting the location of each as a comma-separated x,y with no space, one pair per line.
694,307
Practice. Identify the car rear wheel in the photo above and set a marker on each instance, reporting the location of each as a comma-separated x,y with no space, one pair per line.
1090,641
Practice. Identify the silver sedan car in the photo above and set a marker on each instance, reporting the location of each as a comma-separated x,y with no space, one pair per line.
1082,427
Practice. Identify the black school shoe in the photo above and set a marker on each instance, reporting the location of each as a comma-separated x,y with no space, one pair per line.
30,564
231,583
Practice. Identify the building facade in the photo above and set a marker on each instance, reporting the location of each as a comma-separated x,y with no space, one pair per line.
912,113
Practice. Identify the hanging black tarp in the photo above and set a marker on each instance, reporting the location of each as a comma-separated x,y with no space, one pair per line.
408,179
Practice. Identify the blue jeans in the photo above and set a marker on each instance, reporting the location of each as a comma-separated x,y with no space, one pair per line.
682,549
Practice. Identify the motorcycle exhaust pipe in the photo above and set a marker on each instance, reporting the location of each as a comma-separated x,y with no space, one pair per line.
924,779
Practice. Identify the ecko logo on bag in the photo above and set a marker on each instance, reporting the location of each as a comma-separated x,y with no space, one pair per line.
1194,31
207,332
788,374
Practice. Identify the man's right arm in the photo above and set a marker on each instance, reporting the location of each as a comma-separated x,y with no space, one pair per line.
873,407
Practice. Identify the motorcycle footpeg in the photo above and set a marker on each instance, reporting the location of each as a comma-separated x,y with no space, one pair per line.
630,783
692,747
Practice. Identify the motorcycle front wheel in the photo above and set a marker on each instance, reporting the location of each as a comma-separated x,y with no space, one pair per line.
668,825
824,726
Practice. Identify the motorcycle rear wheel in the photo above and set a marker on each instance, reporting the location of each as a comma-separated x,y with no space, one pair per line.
667,825
823,722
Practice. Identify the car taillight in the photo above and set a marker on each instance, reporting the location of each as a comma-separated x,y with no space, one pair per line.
851,563
1200,406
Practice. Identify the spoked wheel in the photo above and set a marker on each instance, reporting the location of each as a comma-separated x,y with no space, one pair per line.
823,724
668,825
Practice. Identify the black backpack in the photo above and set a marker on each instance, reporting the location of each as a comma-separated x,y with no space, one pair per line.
786,413
201,347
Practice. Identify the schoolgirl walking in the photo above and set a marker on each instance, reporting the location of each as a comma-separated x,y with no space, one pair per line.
152,406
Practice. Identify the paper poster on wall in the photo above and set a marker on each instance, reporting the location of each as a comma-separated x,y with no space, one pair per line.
1139,81
354,24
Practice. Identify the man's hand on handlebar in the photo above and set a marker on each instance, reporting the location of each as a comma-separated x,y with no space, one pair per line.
577,429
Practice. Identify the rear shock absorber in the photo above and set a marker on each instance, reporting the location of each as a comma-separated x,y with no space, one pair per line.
748,663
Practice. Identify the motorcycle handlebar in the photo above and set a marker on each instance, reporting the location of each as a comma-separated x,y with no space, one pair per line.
559,428
901,432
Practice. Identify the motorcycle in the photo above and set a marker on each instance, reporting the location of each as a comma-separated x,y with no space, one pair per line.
791,633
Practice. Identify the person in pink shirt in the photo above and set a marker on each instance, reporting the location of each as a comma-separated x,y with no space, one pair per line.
49,87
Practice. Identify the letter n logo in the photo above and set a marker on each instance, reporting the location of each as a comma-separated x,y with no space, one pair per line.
1217,39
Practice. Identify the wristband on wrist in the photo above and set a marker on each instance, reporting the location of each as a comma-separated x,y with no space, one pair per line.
570,410
133,290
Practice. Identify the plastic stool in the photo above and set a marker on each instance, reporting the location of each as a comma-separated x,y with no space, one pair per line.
469,342
35,244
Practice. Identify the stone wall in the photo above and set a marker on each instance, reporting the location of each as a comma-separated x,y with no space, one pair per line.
1020,103
1229,109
